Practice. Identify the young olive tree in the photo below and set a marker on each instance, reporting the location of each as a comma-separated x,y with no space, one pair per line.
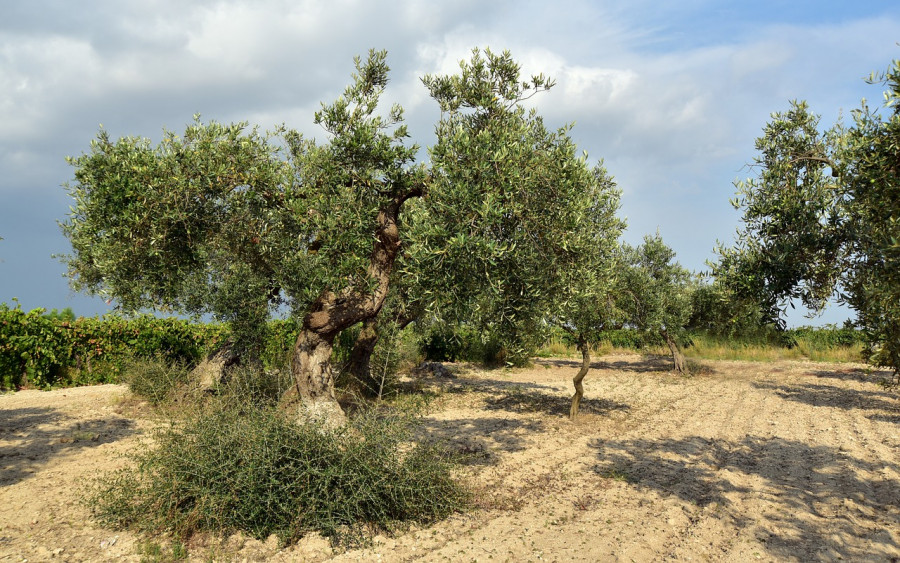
508,204
822,219
515,227
584,304
655,294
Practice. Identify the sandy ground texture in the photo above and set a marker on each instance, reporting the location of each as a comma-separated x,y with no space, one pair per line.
784,461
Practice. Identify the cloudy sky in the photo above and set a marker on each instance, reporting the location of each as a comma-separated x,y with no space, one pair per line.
670,94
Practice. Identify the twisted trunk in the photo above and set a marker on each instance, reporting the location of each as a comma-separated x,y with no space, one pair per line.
579,377
313,391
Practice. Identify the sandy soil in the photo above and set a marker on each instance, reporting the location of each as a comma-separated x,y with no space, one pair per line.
773,462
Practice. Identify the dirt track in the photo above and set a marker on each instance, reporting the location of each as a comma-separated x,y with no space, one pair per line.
773,462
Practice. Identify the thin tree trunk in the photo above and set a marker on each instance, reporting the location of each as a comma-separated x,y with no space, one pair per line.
677,355
313,389
579,377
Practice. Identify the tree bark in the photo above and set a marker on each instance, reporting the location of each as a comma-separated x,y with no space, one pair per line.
360,362
579,377
213,370
313,389
677,355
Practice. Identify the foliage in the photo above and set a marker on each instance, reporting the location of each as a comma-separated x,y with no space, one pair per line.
819,344
822,219
717,309
253,470
178,226
583,303
37,350
32,348
65,315
461,343
511,208
655,290
154,378
825,344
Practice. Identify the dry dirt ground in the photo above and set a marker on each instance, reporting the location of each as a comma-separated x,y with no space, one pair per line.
748,461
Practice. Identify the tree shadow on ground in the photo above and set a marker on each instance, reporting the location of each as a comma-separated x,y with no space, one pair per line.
476,440
883,403
526,397
522,401
480,385
814,499
32,437
852,374
647,363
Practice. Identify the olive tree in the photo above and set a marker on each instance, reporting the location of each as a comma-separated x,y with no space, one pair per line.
584,303
516,226
655,294
229,221
507,198
822,219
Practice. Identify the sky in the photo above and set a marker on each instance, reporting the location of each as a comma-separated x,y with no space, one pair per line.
670,95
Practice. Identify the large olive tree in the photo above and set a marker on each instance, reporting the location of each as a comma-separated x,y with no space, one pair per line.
822,219
228,221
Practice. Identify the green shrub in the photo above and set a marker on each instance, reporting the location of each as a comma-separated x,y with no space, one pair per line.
33,348
154,378
258,387
44,349
464,343
256,471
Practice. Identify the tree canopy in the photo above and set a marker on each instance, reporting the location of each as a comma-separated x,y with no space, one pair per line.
822,218
655,293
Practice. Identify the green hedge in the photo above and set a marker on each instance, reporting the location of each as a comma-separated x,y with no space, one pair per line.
44,349
41,350
829,336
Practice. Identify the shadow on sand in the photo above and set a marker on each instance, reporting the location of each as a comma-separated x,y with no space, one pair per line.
645,364
847,508
27,445
882,405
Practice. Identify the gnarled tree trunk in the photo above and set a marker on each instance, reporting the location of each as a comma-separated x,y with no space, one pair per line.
677,355
579,377
313,390
359,365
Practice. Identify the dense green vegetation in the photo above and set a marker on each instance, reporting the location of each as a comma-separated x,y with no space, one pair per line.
821,219
42,350
235,462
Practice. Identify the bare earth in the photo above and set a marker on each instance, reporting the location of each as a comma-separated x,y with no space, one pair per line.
750,461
